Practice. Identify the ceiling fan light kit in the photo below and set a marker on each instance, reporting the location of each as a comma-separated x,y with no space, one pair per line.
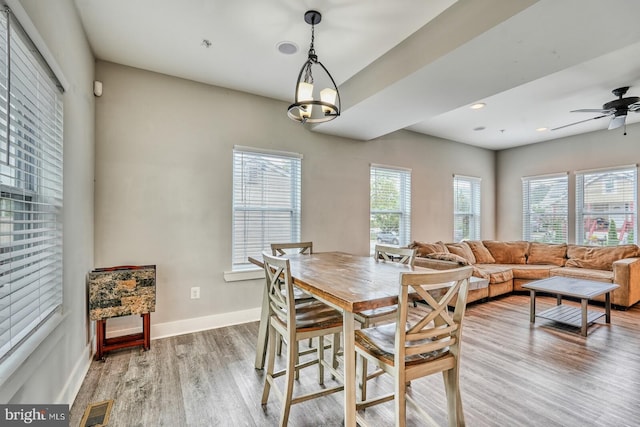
616,109
312,105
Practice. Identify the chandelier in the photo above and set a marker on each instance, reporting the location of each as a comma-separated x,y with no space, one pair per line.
312,105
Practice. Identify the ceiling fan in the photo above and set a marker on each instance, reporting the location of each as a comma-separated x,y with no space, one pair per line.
617,109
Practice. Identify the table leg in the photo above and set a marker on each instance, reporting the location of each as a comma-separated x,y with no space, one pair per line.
261,346
607,307
558,299
532,306
349,370
584,303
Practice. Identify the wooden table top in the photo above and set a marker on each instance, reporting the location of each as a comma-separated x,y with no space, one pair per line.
571,287
350,282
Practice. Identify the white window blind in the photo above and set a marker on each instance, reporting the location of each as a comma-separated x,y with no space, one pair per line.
31,121
545,208
390,218
606,203
466,208
266,201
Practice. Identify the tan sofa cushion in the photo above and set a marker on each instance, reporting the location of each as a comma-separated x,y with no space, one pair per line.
495,273
422,248
508,252
546,253
480,252
448,256
531,272
598,257
463,250
584,273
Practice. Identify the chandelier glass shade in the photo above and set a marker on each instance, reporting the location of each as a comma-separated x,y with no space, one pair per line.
311,104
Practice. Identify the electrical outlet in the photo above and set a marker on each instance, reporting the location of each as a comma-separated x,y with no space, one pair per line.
195,292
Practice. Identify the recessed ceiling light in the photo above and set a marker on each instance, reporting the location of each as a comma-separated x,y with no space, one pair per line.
479,128
542,129
288,48
478,106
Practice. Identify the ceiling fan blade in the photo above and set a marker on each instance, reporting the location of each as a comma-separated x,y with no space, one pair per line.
581,121
592,110
617,121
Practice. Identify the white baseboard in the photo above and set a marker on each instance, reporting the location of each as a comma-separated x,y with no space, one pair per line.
74,382
186,326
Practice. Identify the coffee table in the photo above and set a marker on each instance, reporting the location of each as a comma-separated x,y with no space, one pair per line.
571,287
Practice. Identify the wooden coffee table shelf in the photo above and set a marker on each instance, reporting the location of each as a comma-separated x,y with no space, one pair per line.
576,288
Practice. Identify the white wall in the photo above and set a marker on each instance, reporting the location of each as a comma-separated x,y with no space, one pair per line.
606,148
163,187
54,372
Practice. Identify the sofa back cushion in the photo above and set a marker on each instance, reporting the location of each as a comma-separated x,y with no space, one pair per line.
599,257
463,250
546,253
448,256
508,252
480,252
423,249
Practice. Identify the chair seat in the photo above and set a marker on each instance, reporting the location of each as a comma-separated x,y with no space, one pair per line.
315,316
379,341
376,313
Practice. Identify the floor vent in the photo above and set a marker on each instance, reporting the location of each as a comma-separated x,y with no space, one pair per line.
97,414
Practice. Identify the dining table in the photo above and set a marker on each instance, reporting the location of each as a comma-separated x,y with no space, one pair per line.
348,283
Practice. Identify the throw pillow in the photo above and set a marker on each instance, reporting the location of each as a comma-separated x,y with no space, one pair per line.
463,250
480,252
423,249
508,252
546,253
447,256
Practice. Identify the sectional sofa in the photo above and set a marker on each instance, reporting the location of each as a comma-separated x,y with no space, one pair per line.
507,265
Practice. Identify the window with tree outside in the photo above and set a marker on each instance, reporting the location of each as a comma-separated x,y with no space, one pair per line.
545,208
606,203
266,202
390,206
466,208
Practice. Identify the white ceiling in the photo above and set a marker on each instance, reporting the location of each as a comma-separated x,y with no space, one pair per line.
409,64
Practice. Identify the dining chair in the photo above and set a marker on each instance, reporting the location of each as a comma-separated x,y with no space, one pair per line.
293,323
367,318
301,297
420,345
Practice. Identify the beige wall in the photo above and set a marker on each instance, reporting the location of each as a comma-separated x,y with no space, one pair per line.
606,148
54,371
163,184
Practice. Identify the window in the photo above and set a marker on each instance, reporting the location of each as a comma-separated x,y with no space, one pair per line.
390,218
31,111
466,208
606,206
266,201
545,208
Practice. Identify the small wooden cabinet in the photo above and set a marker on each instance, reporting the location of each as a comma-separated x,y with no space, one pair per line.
122,291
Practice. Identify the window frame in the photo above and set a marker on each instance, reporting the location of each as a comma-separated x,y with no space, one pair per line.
610,187
241,248
475,208
528,228
402,209
31,166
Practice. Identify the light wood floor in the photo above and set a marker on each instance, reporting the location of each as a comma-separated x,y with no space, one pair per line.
512,374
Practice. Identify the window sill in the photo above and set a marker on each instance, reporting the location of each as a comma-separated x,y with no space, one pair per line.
240,275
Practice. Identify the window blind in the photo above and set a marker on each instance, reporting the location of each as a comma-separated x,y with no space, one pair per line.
545,208
466,208
390,205
266,201
31,141
606,202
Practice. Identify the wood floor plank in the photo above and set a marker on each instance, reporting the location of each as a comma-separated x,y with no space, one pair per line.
513,373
